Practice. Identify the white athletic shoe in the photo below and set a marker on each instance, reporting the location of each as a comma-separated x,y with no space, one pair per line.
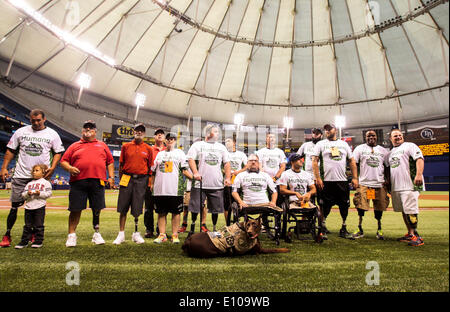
98,239
137,238
120,238
71,240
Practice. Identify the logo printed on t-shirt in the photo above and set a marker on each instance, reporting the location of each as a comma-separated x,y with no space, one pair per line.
373,162
394,162
212,159
34,149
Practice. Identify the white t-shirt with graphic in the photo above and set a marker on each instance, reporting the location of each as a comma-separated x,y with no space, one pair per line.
271,159
237,160
34,148
402,163
296,181
210,156
307,149
34,201
254,187
333,157
371,164
167,166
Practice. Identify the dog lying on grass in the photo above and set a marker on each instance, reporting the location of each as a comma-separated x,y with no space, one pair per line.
237,239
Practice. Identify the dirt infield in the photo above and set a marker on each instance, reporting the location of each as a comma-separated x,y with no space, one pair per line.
433,197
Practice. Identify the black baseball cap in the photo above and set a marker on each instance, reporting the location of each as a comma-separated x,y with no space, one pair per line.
171,135
316,131
89,124
295,157
329,126
139,125
159,130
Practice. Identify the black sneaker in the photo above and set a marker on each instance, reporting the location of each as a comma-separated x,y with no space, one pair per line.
36,245
149,235
325,230
343,232
21,245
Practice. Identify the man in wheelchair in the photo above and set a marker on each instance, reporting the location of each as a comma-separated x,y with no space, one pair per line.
253,184
298,187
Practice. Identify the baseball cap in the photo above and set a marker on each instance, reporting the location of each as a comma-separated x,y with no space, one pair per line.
316,131
295,157
139,125
329,126
171,135
159,130
89,124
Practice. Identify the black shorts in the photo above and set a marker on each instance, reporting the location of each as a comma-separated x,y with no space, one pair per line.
168,204
335,193
82,190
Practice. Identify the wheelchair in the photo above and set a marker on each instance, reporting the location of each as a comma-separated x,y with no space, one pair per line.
274,217
305,218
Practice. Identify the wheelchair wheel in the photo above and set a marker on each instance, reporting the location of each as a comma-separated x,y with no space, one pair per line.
285,219
315,229
235,212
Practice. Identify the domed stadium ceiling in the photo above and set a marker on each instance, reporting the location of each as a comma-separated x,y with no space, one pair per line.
371,61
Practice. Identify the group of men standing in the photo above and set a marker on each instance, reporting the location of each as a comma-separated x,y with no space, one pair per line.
153,176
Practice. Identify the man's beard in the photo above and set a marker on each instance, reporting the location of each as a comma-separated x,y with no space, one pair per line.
315,140
253,170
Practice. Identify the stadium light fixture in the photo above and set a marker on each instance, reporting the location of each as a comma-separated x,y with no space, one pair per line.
288,122
139,100
339,121
239,119
84,81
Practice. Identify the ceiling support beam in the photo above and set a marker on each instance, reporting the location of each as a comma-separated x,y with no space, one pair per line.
13,56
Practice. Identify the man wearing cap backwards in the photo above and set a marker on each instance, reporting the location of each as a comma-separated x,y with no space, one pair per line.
134,168
297,183
86,161
35,144
149,220
371,158
331,178
210,155
168,187
406,178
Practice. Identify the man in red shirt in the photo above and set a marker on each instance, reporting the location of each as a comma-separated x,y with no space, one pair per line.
149,202
135,163
86,161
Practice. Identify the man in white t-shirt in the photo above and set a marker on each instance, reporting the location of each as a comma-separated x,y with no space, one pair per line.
168,187
297,183
210,155
331,177
34,145
254,183
406,179
238,164
307,150
371,159
272,160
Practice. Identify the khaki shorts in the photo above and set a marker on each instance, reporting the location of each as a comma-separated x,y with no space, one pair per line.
381,201
405,201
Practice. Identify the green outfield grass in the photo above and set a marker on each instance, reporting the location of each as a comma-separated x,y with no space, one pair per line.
336,265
